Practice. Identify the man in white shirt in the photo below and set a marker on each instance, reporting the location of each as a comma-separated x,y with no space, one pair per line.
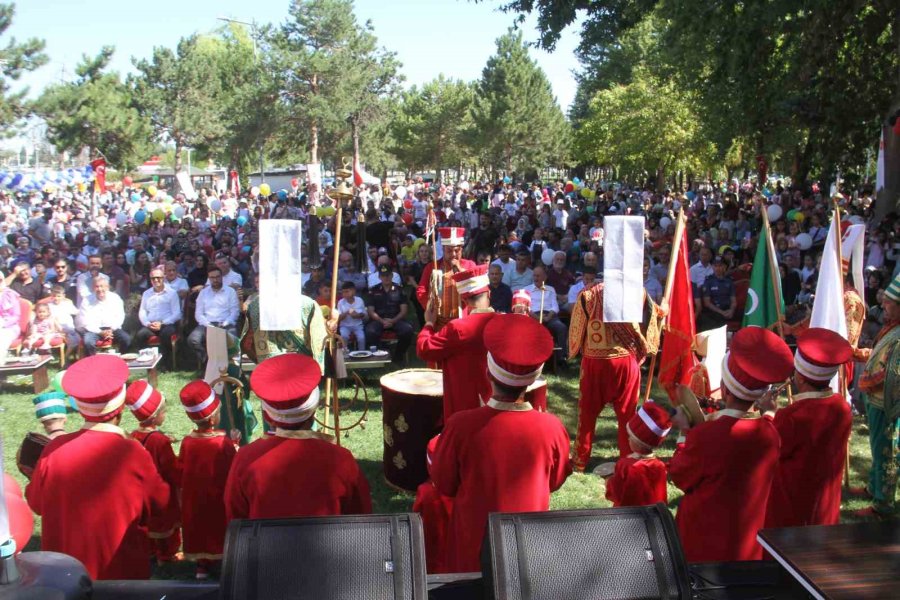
218,306
504,259
587,281
84,283
230,277
702,269
543,301
159,314
101,316
560,215
173,282
521,276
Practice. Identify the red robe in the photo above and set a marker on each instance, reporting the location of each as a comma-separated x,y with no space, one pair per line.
637,481
435,509
725,469
206,459
502,457
458,349
159,445
425,281
96,491
295,474
807,487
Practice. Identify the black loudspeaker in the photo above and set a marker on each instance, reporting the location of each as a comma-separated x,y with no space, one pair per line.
615,553
369,557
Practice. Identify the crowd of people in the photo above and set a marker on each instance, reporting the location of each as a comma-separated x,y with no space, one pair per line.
488,281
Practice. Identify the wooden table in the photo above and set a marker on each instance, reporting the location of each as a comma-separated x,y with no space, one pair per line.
136,366
37,369
855,561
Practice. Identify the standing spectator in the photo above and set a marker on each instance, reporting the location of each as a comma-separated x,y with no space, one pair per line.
101,316
217,306
159,314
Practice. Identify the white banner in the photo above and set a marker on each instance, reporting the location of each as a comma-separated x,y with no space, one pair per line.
623,269
280,281
187,188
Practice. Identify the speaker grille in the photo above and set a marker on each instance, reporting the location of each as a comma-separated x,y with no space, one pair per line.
323,558
601,555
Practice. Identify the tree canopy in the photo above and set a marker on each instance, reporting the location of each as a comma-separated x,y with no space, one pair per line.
15,59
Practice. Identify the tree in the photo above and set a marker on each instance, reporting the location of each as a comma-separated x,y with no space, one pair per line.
433,123
518,122
15,59
179,93
647,126
95,111
331,71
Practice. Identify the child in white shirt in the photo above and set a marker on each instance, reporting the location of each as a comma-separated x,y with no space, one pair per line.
352,311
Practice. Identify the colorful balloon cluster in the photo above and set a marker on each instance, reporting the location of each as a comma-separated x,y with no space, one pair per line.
48,181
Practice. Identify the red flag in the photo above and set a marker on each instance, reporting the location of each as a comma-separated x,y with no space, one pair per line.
234,183
99,167
677,358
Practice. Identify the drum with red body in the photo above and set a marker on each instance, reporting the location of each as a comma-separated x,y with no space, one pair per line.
536,394
412,408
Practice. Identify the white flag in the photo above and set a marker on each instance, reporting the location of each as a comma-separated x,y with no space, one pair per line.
879,176
623,269
828,308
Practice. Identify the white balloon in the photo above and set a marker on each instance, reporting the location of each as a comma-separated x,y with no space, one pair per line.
179,211
804,240
547,256
464,185
774,211
215,205
665,222
400,192
121,218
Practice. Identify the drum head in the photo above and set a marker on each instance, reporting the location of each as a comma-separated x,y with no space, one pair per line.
415,382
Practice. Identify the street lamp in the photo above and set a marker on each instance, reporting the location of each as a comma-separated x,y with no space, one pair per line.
253,33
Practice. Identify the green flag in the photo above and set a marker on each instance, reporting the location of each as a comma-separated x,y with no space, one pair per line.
764,299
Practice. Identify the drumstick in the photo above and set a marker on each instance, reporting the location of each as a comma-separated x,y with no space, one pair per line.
541,314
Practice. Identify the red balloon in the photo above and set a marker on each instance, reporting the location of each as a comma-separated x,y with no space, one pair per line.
407,204
569,187
407,218
10,484
295,182
127,180
897,127
21,520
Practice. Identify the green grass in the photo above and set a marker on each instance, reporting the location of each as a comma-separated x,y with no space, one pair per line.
579,491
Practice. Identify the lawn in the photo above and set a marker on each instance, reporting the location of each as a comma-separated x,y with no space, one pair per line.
580,491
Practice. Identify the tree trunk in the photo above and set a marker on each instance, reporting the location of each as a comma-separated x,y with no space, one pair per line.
178,151
660,178
313,143
354,134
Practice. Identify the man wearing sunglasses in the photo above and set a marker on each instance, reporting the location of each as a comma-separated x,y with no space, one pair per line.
159,314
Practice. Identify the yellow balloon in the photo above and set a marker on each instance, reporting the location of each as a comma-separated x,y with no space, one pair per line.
325,211
264,189
82,187
159,215
152,190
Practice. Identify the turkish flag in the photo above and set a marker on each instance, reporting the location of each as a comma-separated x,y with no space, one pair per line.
99,167
677,357
235,183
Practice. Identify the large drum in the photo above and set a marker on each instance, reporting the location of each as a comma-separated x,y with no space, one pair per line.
536,394
413,408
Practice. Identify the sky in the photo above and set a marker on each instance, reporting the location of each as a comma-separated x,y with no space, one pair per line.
453,37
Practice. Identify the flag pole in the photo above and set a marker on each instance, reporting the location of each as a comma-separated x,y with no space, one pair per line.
776,284
843,386
670,282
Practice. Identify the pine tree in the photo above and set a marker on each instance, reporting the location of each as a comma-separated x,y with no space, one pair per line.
15,59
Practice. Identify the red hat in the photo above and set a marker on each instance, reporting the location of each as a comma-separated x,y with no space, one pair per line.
143,400
472,282
517,349
288,386
757,359
521,298
452,236
98,385
650,424
820,353
199,400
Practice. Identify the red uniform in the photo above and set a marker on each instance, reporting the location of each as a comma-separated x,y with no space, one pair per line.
807,487
425,281
96,491
435,509
458,349
637,481
725,469
163,527
502,457
206,459
295,474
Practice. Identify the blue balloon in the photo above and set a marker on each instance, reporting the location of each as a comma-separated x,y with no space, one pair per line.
282,194
135,197
88,169
140,216
241,220
576,181
16,180
507,179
